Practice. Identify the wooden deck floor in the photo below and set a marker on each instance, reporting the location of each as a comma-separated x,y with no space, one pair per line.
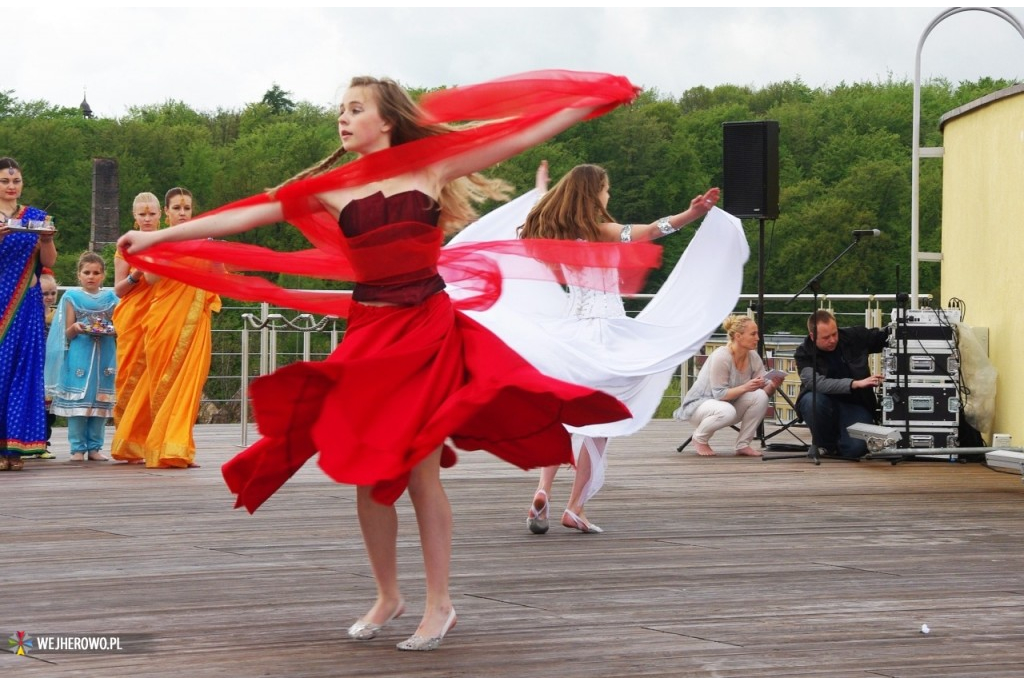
722,566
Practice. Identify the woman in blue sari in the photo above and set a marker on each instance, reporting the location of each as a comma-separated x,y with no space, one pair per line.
23,254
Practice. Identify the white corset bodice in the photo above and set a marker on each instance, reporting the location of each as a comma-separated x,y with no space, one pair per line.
594,294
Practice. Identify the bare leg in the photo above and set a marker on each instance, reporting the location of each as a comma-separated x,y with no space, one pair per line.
573,516
379,524
580,478
434,518
547,478
537,517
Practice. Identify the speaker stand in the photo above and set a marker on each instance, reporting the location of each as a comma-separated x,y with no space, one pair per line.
759,314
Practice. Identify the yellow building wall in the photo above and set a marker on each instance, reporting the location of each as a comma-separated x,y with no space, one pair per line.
983,239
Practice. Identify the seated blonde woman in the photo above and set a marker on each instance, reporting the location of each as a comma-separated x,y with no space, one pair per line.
730,387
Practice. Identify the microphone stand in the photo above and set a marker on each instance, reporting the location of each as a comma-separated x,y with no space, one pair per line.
814,285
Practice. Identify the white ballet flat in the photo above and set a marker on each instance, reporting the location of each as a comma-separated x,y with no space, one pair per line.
579,524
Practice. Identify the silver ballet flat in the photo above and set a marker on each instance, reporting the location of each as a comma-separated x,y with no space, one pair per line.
365,630
420,643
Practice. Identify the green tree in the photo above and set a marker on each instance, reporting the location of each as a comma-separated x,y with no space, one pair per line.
278,101
844,160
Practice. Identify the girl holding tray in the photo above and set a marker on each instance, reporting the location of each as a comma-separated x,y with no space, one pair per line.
81,359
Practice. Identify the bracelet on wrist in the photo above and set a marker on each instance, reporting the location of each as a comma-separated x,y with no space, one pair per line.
665,226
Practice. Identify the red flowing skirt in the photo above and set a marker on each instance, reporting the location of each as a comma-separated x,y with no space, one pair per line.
403,381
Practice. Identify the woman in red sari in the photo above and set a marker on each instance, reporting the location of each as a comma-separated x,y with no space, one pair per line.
411,371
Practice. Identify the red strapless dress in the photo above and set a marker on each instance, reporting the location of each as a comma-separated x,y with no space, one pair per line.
404,380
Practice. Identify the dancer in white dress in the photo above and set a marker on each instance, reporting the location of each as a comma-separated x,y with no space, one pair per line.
585,336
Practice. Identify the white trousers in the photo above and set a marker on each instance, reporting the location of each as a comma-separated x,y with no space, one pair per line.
711,415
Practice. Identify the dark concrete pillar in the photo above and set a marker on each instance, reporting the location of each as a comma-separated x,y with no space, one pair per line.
105,195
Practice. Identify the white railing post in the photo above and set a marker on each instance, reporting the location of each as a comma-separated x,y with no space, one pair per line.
269,324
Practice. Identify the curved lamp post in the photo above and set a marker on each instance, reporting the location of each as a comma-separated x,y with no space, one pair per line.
918,152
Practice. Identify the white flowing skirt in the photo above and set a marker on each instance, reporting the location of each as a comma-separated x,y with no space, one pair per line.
632,359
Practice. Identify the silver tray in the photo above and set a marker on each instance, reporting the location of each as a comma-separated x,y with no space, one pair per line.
20,229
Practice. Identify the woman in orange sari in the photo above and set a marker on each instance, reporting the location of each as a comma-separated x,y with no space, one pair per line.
156,424
134,290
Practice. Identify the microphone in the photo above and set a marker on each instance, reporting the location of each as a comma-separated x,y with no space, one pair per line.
867,233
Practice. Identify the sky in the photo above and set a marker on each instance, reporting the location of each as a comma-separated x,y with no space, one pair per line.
225,58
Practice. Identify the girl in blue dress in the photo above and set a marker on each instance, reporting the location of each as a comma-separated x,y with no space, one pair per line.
81,359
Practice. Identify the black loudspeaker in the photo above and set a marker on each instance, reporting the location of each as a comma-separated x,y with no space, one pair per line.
750,169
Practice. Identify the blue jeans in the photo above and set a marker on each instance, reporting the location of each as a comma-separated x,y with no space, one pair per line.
85,433
828,419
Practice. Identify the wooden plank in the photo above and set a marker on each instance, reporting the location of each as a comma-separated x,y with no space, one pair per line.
710,566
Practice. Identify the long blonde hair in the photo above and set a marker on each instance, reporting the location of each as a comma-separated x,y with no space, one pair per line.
405,117
572,209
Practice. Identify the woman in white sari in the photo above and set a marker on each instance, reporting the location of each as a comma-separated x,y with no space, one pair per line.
584,336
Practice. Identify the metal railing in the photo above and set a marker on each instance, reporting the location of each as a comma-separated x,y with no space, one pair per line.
269,325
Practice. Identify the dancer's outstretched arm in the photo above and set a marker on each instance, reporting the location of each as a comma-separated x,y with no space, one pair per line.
242,219
484,156
228,222
699,206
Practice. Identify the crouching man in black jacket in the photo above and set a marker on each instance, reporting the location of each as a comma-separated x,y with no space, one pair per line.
845,387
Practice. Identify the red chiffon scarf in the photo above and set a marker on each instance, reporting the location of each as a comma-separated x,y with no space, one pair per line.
507,106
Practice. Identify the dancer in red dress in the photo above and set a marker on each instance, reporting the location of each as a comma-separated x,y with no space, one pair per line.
412,371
